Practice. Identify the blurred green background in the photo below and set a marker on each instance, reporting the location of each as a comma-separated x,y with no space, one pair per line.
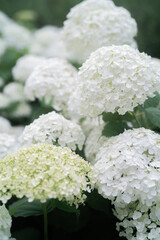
146,13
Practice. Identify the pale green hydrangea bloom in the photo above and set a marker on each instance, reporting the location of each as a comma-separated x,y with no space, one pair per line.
43,171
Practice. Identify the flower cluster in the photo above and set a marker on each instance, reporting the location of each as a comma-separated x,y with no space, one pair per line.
43,171
116,78
47,42
53,128
8,144
129,167
138,221
128,173
24,67
5,224
93,24
5,127
54,78
13,93
13,34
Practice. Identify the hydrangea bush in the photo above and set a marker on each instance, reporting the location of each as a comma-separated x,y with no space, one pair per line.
79,128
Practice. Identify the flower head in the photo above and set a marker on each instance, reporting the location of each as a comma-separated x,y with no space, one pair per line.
24,67
54,78
47,42
53,128
116,78
43,171
128,167
8,144
13,34
93,24
138,221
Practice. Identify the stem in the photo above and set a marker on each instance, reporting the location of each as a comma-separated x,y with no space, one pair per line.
45,221
137,121
145,122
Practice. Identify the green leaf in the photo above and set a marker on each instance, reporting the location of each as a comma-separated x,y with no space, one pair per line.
114,129
64,206
152,102
109,117
23,208
27,233
153,115
97,202
68,221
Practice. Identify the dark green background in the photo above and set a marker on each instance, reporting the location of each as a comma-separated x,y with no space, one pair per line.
146,13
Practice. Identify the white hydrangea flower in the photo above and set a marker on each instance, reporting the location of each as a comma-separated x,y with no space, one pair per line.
16,36
93,24
5,127
16,130
14,92
4,101
54,78
156,61
13,34
115,78
24,67
8,144
5,224
138,221
4,19
94,141
22,110
47,42
128,167
52,128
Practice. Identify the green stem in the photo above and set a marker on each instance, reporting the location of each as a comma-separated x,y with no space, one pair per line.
137,121
145,122
45,221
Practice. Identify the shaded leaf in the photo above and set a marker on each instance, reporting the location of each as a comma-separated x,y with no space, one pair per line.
27,233
97,202
23,208
114,129
152,102
153,115
64,206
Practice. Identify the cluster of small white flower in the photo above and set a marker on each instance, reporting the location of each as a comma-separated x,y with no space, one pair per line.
8,144
47,42
93,24
13,34
128,171
5,127
24,67
53,128
115,78
54,79
138,221
13,93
